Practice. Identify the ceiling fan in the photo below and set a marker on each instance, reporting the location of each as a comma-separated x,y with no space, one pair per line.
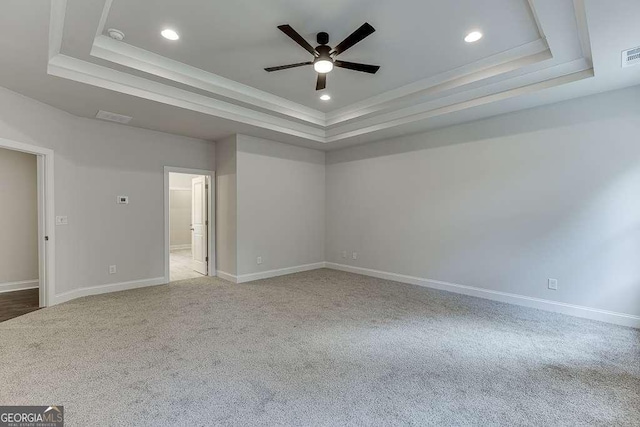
324,58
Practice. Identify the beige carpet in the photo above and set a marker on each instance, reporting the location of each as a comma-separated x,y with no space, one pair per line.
317,348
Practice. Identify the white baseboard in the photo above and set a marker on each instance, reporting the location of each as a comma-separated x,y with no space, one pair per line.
179,247
279,272
542,304
103,289
227,276
19,286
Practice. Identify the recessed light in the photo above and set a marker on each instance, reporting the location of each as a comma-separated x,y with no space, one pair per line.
325,97
473,36
170,34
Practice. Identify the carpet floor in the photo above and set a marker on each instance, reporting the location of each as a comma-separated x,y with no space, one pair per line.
317,348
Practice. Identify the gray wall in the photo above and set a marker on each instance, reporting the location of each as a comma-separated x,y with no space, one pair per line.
18,217
95,162
281,205
502,204
226,215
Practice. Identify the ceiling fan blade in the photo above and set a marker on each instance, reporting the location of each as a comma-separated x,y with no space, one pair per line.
357,36
284,67
322,81
293,34
365,68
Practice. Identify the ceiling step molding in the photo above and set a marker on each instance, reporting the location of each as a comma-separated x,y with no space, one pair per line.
549,61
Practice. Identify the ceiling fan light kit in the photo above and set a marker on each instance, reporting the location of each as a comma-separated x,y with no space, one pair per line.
324,56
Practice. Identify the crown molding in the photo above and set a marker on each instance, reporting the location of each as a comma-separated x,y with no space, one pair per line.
107,78
522,70
453,108
160,66
56,26
493,66
501,87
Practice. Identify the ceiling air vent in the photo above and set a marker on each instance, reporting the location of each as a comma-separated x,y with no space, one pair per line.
631,57
113,117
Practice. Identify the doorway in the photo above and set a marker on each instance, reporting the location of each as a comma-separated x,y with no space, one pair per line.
189,195
19,275
27,276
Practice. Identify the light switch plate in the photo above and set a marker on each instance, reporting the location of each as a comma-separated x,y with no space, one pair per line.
62,220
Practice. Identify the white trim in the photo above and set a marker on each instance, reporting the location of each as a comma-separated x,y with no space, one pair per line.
46,216
211,228
484,69
19,286
476,102
393,109
105,289
56,26
86,72
152,63
279,272
106,48
179,247
41,204
539,303
179,189
532,8
227,276
104,17
583,29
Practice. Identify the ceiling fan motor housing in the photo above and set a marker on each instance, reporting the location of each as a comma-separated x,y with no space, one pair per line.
324,52
322,38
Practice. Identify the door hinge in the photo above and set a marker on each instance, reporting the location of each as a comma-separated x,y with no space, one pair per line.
206,186
206,222
206,259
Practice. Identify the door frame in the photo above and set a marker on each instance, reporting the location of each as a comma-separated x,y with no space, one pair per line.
211,228
46,217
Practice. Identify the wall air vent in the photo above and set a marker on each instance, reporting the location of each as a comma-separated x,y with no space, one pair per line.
631,57
113,117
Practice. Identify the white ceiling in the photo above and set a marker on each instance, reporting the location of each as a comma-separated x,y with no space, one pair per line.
415,39
210,83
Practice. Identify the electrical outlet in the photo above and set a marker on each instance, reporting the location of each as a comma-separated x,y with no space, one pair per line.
259,260
354,255
344,254
553,284
113,269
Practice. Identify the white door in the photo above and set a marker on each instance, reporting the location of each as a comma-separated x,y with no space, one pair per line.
199,224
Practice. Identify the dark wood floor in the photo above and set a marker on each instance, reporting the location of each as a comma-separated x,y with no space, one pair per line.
14,304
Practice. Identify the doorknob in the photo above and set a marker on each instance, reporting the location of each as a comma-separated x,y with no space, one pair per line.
193,229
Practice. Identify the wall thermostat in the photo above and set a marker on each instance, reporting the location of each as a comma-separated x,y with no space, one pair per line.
123,200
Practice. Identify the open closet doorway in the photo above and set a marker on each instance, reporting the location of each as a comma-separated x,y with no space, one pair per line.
19,270
27,257
190,224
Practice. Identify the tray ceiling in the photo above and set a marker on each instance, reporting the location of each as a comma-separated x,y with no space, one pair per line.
236,40
533,52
